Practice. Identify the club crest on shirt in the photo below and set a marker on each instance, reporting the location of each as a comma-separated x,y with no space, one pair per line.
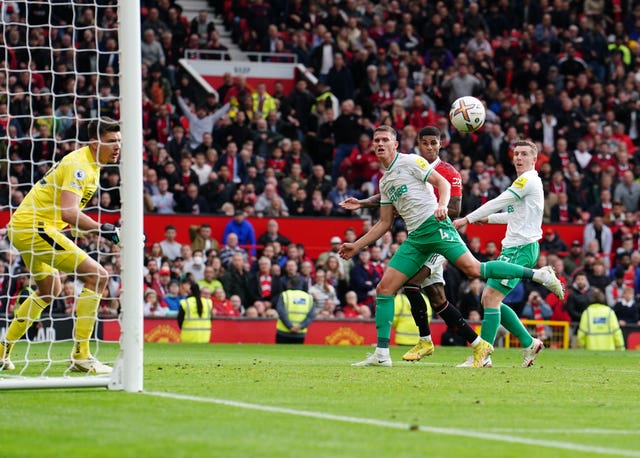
79,174
520,182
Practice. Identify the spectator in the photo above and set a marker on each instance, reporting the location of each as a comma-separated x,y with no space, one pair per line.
346,131
627,309
318,181
236,278
324,295
364,278
352,308
598,231
192,202
163,202
231,248
263,102
151,49
152,306
579,296
613,291
263,203
201,168
537,309
221,305
599,278
599,328
552,243
340,192
170,247
199,121
470,305
244,231
201,239
462,83
575,257
196,267
564,212
628,192
209,279
202,26
264,285
236,166
172,298
291,279
272,235
340,79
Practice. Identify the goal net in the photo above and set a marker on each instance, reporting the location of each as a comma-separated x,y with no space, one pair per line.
61,69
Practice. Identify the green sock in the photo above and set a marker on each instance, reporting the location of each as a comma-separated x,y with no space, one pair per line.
490,325
501,269
384,319
510,320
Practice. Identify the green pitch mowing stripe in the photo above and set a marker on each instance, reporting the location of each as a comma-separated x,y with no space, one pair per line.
582,401
405,426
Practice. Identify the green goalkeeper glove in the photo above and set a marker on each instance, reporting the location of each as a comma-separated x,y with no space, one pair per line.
111,233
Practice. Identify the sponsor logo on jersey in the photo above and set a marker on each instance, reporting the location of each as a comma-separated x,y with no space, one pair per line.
424,165
395,193
520,182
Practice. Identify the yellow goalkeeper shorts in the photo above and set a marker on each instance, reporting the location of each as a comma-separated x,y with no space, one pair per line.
45,250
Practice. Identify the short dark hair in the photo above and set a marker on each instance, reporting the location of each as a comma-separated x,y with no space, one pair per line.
429,131
101,126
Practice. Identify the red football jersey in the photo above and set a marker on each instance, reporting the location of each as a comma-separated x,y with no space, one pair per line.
450,174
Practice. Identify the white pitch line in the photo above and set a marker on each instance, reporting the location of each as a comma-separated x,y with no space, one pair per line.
406,426
621,432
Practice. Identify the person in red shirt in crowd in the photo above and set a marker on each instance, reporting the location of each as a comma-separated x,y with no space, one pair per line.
352,308
221,305
382,99
419,114
361,164
557,305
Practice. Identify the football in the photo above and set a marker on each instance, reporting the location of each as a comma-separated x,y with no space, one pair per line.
467,114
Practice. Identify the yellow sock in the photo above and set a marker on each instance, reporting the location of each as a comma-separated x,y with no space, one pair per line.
25,315
86,311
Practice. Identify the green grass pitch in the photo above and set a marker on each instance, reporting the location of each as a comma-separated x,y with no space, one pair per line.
307,401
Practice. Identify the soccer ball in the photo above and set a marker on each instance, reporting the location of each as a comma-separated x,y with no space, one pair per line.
467,114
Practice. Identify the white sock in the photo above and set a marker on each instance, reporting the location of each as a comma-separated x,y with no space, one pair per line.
382,352
540,276
476,341
426,338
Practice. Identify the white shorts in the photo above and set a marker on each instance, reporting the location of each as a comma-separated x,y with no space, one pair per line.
435,263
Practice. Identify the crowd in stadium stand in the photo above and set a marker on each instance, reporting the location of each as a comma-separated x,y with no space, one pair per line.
564,73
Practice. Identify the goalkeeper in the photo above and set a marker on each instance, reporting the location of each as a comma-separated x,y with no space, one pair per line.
35,230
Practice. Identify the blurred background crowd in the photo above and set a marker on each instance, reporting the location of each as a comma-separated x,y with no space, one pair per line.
564,73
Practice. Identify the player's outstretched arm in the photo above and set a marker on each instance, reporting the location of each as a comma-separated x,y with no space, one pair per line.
351,203
347,250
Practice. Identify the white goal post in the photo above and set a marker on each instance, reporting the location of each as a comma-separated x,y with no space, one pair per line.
128,366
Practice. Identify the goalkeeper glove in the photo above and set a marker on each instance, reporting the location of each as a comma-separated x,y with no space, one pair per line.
111,233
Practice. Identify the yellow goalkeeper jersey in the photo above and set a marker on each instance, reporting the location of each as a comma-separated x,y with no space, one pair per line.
78,172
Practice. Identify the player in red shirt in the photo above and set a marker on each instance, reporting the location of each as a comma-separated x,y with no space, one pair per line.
431,275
